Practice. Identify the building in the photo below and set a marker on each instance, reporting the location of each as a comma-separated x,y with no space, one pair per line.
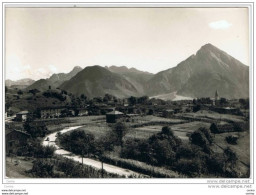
216,99
114,116
226,110
51,112
22,116
168,113
82,112
15,141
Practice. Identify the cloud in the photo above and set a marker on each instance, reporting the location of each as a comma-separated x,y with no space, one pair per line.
46,72
16,70
53,69
220,25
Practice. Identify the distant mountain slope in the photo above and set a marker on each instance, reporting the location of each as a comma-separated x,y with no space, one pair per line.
200,75
171,96
55,80
97,81
21,82
138,78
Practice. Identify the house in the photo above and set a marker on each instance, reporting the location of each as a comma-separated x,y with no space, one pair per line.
82,112
51,112
22,116
226,110
131,117
114,116
168,113
15,141
106,109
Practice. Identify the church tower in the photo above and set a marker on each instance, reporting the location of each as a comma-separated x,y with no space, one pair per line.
216,97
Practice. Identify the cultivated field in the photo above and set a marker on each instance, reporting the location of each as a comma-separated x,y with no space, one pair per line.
16,167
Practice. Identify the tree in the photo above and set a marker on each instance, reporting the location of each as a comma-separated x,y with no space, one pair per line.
33,91
190,167
108,97
244,103
196,108
78,142
20,92
132,100
230,157
232,139
167,131
34,130
42,169
83,97
202,137
143,99
120,129
214,129
223,101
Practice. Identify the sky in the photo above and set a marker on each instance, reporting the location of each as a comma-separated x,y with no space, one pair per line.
43,41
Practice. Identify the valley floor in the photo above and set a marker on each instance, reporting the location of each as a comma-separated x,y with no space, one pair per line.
141,128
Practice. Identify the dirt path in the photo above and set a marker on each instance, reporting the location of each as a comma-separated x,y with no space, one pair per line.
87,161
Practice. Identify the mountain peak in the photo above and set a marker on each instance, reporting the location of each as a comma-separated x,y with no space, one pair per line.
124,69
77,68
209,47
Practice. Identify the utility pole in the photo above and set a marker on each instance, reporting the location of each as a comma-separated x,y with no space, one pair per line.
82,157
101,168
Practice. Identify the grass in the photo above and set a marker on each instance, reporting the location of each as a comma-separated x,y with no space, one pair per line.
180,130
14,170
141,167
242,149
99,128
213,116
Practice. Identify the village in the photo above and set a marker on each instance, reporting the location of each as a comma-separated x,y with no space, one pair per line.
222,126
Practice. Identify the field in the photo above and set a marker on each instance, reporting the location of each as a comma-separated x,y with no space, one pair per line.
16,167
98,127
171,96
242,149
213,116
142,127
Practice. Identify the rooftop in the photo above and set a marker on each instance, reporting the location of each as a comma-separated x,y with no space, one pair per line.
23,112
115,112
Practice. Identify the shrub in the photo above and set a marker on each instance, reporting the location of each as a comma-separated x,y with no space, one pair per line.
238,127
214,128
202,137
185,151
230,156
191,167
42,169
78,142
167,131
40,151
215,164
232,139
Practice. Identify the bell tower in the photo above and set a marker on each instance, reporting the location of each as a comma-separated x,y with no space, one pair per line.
216,97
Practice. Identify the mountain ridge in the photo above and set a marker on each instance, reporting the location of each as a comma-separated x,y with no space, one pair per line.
199,75
55,80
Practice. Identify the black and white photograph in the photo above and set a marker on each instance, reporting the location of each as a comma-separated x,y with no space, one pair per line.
127,92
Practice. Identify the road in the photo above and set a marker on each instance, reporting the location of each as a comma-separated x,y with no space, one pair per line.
87,161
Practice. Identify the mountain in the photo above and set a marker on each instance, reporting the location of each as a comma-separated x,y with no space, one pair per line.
97,81
138,78
55,80
202,74
19,83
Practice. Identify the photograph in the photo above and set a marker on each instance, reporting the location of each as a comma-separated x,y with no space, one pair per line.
127,92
